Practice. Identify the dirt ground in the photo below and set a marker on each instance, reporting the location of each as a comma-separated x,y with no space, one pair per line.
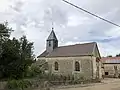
107,84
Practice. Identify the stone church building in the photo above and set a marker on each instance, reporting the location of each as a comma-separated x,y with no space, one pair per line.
79,59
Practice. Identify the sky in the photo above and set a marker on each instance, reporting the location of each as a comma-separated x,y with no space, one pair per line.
34,18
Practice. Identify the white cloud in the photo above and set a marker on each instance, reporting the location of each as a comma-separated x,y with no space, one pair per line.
75,20
34,18
113,32
3,5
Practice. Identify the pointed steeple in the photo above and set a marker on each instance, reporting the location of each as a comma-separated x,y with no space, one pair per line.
52,42
52,36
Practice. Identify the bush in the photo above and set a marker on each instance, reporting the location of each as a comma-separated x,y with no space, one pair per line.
18,84
34,71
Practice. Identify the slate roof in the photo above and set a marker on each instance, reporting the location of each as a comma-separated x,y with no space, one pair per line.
110,60
45,53
71,50
52,36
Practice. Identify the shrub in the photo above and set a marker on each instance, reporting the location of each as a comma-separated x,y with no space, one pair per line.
18,84
34,71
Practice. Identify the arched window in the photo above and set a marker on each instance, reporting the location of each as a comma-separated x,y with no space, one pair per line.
56,66
77,66
97,59
115,67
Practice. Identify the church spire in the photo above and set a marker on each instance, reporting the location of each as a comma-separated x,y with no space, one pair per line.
52,41
52,35
52,26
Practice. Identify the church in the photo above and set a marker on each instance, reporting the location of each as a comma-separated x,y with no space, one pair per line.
78,60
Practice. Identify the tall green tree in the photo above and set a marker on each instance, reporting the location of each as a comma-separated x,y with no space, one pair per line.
26,53
5,32
17,54
10,65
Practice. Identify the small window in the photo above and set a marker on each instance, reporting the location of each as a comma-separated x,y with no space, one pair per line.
97,59
49,43
106,73
77,66
56,43
115,67
56,66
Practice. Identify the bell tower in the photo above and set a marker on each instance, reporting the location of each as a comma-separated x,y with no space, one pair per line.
51,42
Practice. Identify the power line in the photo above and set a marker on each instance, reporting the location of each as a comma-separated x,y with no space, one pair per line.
91,13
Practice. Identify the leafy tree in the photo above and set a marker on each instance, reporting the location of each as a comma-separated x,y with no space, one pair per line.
109,56
10,58
118,55
5,32
26,53
17,55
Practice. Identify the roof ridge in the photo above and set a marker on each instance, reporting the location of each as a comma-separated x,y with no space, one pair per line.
109,57
72,50
76,44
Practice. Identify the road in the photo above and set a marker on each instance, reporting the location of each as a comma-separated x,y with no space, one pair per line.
108,84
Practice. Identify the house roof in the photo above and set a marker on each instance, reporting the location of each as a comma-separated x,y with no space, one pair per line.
45,53
110,60
71,50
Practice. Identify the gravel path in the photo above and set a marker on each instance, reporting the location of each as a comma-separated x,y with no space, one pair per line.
107,84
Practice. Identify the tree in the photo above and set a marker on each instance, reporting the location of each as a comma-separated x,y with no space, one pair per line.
118,55
5,32
10,59
17,55
109,56
26,53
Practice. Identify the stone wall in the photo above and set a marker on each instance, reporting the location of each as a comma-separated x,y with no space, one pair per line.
67,67
110,69
95,68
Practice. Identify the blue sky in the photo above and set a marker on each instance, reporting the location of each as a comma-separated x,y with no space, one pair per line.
33,18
